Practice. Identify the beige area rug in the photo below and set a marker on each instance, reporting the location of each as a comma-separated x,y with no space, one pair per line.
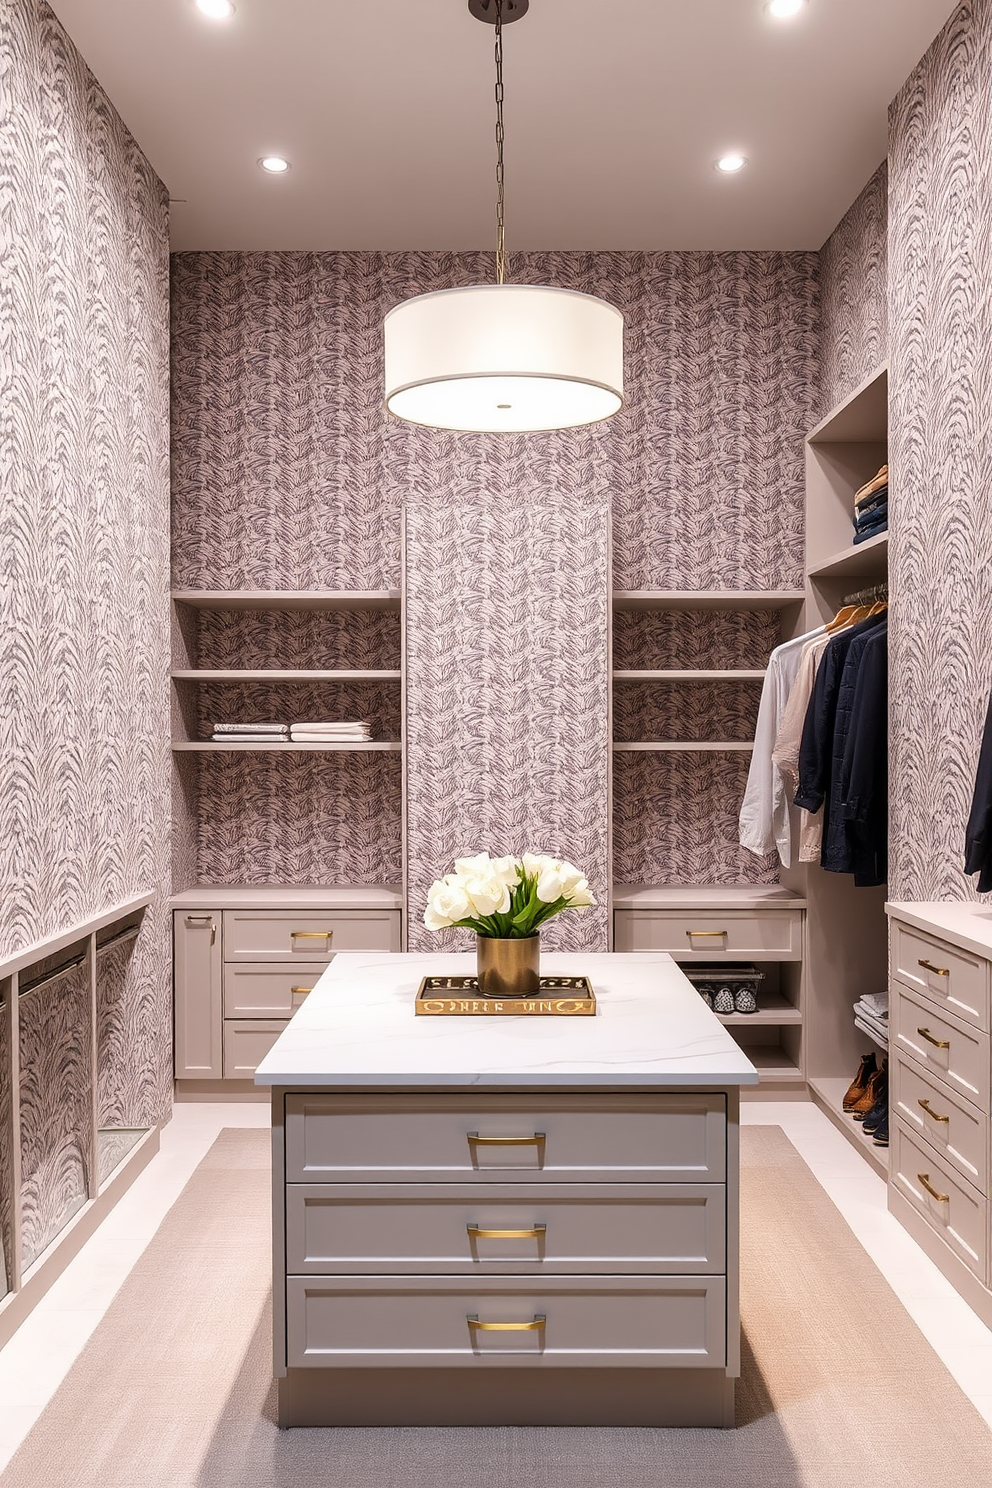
840,1389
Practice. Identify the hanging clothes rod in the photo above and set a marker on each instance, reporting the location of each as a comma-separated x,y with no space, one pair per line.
872,595
128,933
52,976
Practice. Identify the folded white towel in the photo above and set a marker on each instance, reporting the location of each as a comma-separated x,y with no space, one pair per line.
880,1036
303,737
251,728
877,1002
347,725
249,739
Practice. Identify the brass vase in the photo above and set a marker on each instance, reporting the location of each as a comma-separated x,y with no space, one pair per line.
509,968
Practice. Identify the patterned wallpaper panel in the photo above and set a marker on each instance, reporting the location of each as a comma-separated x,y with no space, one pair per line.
6,1132
84,526
508,696
940,545
355,639
289,474
691,639
685,710
854,295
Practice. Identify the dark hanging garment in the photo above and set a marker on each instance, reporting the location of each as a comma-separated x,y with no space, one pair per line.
978,834
838,854
864,783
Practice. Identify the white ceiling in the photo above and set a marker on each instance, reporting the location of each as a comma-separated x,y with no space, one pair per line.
615,111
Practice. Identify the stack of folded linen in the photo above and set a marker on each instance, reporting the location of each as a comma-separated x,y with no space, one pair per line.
250,733
331,733
871,507
871,1015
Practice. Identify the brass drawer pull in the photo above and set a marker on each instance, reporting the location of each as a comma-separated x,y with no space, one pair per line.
536,1140
539,1322
937,970
301,991
931,1112
941,1198
477,1233
937,1043
708,934
204,920
311,934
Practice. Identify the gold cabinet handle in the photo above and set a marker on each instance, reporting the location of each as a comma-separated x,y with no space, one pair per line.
535,1141
311,934
937,970
931,1112
707,934
204,920
476,1232
937,1043
941,1198
539,1322
301,991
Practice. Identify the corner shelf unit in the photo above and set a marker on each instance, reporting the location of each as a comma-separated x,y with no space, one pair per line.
847,926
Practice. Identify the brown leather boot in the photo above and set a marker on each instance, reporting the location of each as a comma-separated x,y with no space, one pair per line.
859,1084
877,1086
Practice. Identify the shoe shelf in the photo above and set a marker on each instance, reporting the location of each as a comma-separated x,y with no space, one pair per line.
774,1065
829,1096
773,1009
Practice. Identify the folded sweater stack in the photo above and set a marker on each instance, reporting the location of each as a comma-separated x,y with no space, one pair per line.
871,507
357,731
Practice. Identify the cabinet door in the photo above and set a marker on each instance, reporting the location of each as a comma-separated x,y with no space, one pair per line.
197,978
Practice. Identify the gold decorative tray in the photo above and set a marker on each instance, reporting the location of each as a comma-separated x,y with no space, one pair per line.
458,996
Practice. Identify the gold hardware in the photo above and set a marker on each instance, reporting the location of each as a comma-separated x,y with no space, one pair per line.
539,1322
931,1112
937,1043
300,991
941,1198
707,934
204,920
537,1233
534,1141
937,970
310,934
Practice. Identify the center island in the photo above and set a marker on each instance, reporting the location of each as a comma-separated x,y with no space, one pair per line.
505,1220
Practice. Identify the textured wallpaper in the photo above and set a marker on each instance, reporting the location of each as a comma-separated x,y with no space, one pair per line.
508,696
84,529
940,545
854,295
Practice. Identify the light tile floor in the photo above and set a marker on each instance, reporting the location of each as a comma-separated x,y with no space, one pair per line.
40,1354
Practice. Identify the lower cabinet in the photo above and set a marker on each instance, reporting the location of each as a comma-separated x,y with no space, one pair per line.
245,959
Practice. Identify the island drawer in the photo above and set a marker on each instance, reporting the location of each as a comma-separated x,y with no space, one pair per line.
956,979
955,1052
454,1229
950,1205
294,935
710,933
422,1321
267,990
429,1138
958,1130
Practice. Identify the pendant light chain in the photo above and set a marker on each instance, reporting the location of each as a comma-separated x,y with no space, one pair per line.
500,243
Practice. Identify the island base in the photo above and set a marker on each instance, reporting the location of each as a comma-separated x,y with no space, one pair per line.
502,1397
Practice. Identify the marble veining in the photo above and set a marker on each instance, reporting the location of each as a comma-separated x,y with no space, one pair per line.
357,1030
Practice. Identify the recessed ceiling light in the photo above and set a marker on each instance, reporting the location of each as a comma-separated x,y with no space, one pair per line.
731,163
217,10
784,10
274,164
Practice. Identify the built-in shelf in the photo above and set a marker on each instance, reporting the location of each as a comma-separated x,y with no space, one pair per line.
862,1026
705,896
283,896
774,1067
40,949
298,674
829,1095
671,746
706,599
700,675
206,746
289,599
862,417
773,1009
866,561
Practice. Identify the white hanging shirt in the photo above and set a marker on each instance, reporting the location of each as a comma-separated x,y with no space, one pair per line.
764,820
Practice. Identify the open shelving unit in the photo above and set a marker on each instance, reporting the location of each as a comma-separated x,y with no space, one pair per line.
359,746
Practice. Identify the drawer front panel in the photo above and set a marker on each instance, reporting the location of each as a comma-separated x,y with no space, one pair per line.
951,1125
246,1045
956,979
709,933
416,1321
345,1229
285,935
267,991
451,1139
955,1210
954,1052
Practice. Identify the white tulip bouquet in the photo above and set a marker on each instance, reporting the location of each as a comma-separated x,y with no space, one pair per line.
505,898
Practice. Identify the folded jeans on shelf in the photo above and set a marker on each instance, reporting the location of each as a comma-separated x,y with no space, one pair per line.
860,537
873,518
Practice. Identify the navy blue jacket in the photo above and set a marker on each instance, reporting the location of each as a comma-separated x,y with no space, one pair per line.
978,835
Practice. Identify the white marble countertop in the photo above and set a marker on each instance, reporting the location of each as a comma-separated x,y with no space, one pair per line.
968,925
358,1030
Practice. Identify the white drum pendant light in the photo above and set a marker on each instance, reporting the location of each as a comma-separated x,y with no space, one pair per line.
503,357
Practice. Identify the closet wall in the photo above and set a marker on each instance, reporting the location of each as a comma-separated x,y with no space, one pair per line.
940,267
287,473
854,309
84,524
